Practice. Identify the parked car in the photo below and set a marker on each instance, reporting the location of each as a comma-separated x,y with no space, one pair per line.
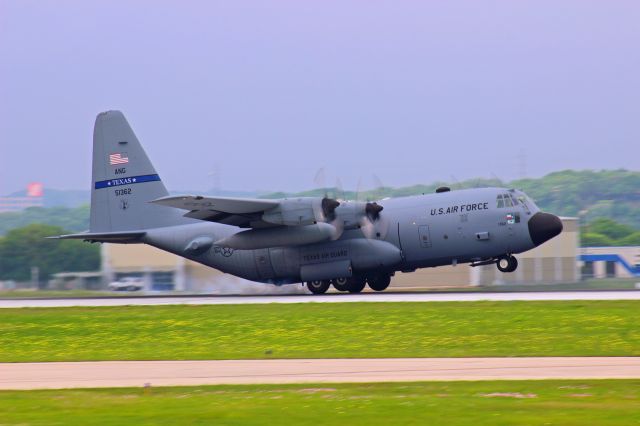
127,284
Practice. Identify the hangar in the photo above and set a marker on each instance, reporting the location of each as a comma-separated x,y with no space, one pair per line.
610,262
552,262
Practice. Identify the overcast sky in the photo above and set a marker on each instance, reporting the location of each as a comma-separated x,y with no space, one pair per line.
267,92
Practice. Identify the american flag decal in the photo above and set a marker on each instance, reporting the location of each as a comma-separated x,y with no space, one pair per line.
118,158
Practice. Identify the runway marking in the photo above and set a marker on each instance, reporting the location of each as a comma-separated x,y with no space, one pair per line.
56,375
328,298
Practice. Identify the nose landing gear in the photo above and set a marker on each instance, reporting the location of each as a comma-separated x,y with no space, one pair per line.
507,263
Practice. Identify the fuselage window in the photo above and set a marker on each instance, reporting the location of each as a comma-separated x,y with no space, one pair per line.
500,201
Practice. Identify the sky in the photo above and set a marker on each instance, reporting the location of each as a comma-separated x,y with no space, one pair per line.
265,93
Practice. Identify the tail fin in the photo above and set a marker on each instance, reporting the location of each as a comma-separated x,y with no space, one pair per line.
124,181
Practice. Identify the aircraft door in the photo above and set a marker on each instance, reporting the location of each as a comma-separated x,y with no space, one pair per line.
415,238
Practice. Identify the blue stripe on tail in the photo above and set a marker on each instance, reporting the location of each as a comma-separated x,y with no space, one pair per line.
126,181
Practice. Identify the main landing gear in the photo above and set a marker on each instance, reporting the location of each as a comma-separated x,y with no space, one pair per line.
354,284
507,263
319,286
379,282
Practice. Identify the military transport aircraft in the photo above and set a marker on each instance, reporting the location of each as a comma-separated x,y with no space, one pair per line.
317,240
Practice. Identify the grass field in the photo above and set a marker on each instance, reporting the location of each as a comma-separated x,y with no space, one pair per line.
607,402
332,330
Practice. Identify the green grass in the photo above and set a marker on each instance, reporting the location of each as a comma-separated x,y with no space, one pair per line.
607,402
323,330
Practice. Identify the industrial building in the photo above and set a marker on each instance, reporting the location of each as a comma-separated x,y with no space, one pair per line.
553,262
610,262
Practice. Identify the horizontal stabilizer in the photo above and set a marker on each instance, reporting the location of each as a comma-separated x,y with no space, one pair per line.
125,237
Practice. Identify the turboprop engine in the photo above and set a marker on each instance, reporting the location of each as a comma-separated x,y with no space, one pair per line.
302,220
301,211
282,236
309,220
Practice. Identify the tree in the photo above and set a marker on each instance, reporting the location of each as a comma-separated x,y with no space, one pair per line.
25,247
630,240
592,239
71,219
610,228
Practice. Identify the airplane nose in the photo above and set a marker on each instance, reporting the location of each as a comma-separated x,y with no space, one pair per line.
543,227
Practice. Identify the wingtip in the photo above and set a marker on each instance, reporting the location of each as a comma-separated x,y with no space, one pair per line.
66,236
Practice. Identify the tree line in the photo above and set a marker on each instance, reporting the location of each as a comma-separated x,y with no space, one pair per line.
27,247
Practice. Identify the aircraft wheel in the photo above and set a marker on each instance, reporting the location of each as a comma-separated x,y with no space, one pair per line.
379,282
340,284
356,284
507,264
318,287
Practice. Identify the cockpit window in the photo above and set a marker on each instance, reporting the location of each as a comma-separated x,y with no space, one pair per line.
506,200
524,201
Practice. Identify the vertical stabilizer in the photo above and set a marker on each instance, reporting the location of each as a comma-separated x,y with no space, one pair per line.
124,181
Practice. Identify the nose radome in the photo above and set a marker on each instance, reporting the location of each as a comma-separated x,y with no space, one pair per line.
543,227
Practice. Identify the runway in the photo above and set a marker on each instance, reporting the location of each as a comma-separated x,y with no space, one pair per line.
176,373
327,298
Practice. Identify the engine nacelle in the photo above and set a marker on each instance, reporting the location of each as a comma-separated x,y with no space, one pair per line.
278,237
298,211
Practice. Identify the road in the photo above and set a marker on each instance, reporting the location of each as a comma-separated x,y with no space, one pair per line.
174,373
327,298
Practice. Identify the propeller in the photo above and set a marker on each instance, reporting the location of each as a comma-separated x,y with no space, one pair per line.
372,222
366,215
328,206
339,190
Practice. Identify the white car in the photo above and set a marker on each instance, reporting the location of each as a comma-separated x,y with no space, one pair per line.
127,284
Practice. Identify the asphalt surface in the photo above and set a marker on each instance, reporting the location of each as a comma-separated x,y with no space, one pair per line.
57,375
326,298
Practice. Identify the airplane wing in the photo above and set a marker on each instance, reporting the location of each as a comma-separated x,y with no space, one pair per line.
242,212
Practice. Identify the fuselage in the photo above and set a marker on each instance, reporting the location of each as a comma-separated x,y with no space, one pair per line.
452,227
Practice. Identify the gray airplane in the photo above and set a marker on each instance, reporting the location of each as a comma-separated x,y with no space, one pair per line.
317,240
